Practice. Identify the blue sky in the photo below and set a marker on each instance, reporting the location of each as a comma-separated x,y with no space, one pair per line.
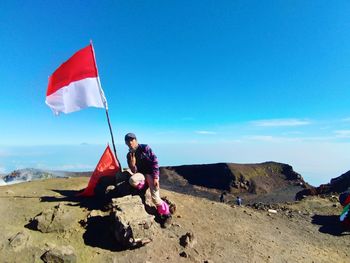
200,81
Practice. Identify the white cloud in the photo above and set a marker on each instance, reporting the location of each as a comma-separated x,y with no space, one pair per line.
342,133
293,133
281,139
206,132
263,138
269,138
3,154
280,122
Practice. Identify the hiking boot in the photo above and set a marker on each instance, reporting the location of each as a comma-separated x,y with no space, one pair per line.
166,220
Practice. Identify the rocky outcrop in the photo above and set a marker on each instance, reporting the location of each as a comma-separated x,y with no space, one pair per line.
188,240
18,241
25,175
341,183
132,226
32,174
64,254
236,178
55,219
336,185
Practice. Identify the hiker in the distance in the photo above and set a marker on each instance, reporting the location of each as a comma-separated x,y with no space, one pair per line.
144,170
238,201
222,197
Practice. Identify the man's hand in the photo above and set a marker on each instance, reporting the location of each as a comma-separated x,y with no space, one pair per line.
156,183
132,162
132,159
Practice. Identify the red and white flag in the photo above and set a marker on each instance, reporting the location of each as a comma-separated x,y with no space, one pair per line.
75,85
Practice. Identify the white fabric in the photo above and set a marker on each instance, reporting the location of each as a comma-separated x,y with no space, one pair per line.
343,216
76,96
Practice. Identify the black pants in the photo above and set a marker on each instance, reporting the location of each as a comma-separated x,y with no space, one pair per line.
120,181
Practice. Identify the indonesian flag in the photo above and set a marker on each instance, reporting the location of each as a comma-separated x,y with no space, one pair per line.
107,166
75,85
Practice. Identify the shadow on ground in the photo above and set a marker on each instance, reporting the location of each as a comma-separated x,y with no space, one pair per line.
99,233
329,224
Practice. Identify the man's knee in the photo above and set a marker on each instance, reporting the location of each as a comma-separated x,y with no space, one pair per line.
133,182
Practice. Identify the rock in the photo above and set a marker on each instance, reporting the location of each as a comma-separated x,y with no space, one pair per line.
18,240
10,192
272,211
183,254
53,220
132,226
63,254
188,240
94,213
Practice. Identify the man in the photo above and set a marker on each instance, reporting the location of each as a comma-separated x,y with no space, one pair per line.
144,170
239,201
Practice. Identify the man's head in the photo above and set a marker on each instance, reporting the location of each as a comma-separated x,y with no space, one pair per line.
131,141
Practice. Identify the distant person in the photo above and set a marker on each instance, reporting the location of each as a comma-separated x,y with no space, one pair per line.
239,201
143,171
222,197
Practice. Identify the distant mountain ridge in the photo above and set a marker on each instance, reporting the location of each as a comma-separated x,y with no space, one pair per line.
30,174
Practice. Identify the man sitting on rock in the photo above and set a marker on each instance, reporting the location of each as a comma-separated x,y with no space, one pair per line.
144,170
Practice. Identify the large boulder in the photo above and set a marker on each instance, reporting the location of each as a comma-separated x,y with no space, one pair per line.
55,219
64,254
132,226
19,240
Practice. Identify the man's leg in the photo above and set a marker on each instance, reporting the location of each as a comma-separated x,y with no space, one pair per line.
121,177
103,183
162,207
137,180
122,186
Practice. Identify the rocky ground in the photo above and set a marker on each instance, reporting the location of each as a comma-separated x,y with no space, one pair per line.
202,230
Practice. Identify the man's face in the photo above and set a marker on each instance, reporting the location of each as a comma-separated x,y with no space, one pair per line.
132,144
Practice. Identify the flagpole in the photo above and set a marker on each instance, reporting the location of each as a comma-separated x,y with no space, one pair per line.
111,132
106,107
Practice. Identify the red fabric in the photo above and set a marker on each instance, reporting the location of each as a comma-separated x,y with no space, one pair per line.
346,223
80,66
347,200
107,166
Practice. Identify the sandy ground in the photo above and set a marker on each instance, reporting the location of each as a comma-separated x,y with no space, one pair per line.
305,231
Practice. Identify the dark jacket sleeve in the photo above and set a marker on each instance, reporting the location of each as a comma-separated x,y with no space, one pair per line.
152,158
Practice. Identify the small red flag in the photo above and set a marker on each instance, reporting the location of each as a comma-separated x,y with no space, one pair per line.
107,166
